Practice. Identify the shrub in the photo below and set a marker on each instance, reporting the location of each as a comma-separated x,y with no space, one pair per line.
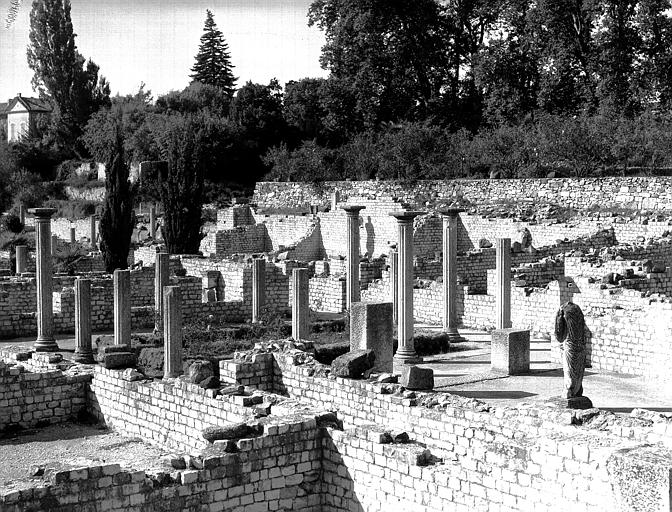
13,223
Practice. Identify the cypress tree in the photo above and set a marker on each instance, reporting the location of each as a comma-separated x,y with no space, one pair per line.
213,62
118,218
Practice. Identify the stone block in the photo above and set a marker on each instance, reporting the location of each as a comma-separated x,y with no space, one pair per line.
118,360
371,329
510,351
414,377
353,364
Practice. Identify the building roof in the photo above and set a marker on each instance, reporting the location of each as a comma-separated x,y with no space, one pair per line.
30,104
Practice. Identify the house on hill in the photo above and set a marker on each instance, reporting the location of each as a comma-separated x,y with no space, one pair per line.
21,115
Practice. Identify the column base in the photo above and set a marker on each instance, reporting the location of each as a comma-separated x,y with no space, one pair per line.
46,346
399,362
84,358
454,336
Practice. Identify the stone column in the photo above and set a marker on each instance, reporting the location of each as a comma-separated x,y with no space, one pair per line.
21,258
152,222
83,350
258,287
22,214
300,310
122,307
394,284
94,245
45,313
503,291
335,198
406,353
161,280
73,235
172,332
352,293
450,217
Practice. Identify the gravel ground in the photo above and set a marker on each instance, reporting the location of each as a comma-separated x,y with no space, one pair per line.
69,446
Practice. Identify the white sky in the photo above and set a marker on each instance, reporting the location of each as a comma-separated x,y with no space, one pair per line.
155,41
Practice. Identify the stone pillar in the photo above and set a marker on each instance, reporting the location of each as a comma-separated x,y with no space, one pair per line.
300,310
352,293
503,291
510,351
22,214
394,284
371,328
161,280
73,235
94,245
122,307
335,199
258,287
172,332
406,353
45,313
152,222
450,218
21,258
83,350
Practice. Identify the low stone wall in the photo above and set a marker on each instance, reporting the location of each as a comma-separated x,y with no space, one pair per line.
327,294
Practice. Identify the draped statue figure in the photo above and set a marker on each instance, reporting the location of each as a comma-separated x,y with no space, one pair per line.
570,333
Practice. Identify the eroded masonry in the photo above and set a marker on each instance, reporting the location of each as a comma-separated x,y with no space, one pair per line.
386,420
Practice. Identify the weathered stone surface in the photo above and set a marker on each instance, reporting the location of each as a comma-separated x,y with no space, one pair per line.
235,431
199,371
150,362
353,364
118,360
211,382
577,402
414,377
371,329
510,351
131,375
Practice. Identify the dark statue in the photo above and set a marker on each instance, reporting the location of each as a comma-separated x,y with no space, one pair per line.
570,329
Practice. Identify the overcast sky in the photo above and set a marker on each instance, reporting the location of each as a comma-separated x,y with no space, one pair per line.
155,41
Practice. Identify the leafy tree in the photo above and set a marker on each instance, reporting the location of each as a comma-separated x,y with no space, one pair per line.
303,108
61,72
196,97
213,62
118,219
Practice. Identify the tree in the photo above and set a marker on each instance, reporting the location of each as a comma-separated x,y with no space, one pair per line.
117,220
213,62
62,74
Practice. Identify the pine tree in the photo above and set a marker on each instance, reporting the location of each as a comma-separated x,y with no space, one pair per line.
118,218
213,62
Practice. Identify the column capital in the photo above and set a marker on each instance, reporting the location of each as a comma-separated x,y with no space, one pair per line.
451,212
403,216
42,213
352,209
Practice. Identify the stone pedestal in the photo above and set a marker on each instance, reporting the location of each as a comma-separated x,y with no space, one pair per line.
503,291
577,402
510,351
122,307
450,217
406,353
45,314
300,309
83,349
73,235
152,222
394,285
21,258
161,280
258,287
92,232
371,329
172,332
352,258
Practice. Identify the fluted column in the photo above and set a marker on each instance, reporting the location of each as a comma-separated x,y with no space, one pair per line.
450,217
172,332
83,349
122,307
406,353
394,284
161,280
258,287
503,291
352,259
45,313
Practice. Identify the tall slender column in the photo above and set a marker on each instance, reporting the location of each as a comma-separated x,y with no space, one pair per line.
394,284
122,307
83,350
503,291
73,235
300,310
352,259
92,228
172,332
450,217
258,287
45,313
21,258
406,353
152,222
161,280
22,214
